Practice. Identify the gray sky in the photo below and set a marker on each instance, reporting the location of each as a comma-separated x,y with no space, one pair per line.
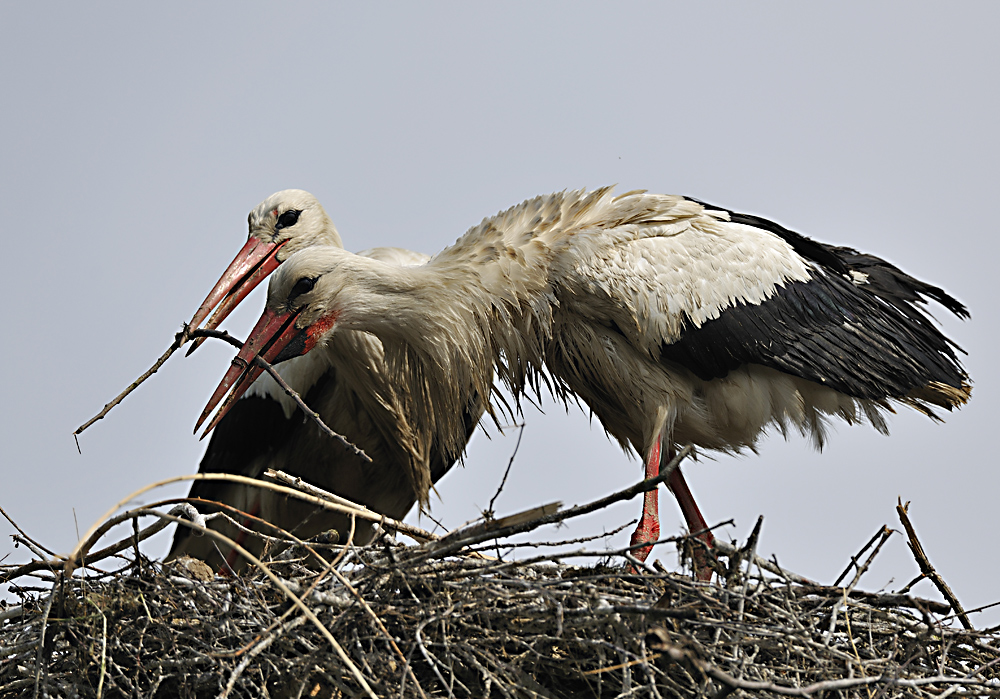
135,139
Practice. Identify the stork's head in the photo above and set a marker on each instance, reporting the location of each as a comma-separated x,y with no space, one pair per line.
307,298
292,220
282,224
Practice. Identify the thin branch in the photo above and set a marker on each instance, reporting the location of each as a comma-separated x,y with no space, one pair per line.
855,557
750,549
179,339
24,534
102,525
309,412
510,545
184,336
417,533
886,533
925,565
289,391
484,531
503,481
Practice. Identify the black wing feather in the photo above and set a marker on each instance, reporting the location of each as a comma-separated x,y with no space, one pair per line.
867,340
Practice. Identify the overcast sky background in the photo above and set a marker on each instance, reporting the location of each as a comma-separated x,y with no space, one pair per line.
134,139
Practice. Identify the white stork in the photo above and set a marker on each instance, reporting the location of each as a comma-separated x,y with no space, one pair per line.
675,321
348,384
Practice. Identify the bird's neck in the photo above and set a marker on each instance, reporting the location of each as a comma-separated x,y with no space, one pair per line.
456,316
446,330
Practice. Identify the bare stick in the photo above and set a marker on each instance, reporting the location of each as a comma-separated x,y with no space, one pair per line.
27,538
490,513
727,549
751,551
184,336
886,533
306,487
854,559
179,339
376,517
925,565
101,526
309,412
490,530
289,391
511,545
503,481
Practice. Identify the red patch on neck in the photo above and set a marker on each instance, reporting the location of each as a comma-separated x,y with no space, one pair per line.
316,331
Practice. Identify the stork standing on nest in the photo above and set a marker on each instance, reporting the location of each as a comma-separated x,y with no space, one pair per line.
675,321
348,384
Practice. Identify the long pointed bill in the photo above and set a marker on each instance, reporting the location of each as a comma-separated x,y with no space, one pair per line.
275,338
249,268
272,332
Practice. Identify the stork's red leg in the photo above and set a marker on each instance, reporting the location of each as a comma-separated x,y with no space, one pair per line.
649,524
695,522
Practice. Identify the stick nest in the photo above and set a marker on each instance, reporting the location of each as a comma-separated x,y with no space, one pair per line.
424,621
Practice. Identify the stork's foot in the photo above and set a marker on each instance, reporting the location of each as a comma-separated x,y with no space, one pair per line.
647,532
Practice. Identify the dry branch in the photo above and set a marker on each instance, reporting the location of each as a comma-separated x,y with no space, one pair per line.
926,569
179,339
184,336
103,525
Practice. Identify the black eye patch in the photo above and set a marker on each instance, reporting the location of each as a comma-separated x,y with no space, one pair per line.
287,219
302,286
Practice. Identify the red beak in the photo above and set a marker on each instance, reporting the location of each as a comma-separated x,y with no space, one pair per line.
275,338
251,265
272,334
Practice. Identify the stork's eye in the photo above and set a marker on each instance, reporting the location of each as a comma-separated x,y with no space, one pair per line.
302,286
287,219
